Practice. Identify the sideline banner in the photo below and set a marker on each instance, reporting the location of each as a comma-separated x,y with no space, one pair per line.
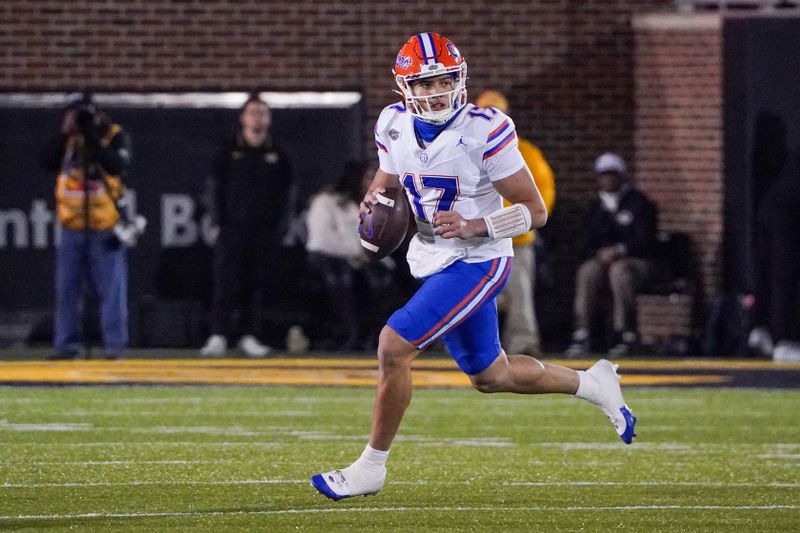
174,137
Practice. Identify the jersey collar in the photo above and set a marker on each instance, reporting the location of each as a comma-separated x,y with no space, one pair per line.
428,132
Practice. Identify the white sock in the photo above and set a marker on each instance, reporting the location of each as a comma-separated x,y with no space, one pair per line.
372,460
367,470
588,388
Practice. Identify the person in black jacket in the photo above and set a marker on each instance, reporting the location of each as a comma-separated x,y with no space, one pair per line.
248,193
620,233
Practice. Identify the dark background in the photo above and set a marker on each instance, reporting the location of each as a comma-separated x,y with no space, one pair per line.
169,287
762,95
172,150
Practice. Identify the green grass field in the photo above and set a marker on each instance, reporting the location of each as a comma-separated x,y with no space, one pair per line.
239,458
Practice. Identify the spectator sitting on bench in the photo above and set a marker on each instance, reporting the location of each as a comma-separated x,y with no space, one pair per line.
620,235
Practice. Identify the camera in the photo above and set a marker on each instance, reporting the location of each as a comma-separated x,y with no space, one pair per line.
86,120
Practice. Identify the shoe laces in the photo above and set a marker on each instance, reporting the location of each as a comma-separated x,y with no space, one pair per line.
338,478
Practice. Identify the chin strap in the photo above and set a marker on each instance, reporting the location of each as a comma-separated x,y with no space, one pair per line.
508,222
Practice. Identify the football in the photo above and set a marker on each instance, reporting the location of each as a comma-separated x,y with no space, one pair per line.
383,229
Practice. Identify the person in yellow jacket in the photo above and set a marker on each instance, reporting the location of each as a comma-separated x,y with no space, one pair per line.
91,157
521,331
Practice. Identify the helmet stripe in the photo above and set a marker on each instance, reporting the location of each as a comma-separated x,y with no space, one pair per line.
427,47
422,46
433,54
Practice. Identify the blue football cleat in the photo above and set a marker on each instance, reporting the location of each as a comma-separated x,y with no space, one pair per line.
335,485
610,399
318,482
626,430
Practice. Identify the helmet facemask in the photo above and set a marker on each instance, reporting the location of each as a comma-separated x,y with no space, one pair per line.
420,106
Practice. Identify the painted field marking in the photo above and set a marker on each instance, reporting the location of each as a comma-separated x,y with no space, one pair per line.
126,462
407,509
150,483
717,484
282,371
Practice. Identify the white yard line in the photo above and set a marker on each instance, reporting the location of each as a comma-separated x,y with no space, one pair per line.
717,484
149,443
649,484
49,426
104,463
141,483
408,509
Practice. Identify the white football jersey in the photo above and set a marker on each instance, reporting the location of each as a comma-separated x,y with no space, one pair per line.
454,172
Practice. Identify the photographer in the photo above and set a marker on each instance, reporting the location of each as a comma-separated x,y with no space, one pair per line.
91,156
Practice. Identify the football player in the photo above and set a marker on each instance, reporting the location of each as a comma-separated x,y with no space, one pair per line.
456,162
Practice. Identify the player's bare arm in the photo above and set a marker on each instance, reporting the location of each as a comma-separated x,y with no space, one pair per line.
518,188
379,184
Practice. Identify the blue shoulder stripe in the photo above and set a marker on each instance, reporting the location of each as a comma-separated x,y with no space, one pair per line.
502,144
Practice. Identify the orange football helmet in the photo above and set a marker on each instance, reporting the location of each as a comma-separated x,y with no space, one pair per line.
425,55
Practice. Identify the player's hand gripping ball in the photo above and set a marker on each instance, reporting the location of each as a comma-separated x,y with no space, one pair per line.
383,229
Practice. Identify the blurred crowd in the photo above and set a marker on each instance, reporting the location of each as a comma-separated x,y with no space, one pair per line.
245,194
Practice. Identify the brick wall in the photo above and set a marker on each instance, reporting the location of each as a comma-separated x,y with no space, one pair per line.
678,136
567,68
